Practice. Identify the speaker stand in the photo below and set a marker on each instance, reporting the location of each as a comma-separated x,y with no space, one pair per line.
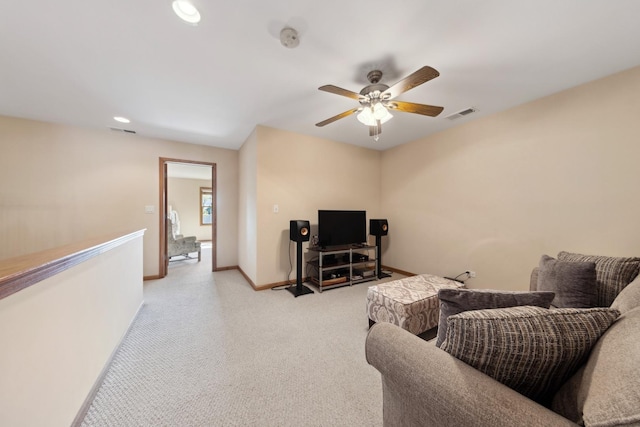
299,289
379,273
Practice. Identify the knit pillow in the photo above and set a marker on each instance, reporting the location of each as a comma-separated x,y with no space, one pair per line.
628,298
574,283
454,301
533,350
612,274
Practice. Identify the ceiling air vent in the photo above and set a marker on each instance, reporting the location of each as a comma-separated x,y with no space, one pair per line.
462,113
123,130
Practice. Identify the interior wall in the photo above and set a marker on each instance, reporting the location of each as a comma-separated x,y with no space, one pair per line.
302,174
493,195
183,196
62,184
247,224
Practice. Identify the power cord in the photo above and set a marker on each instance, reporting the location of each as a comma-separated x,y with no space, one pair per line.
468,273
290,263
287,286
291,283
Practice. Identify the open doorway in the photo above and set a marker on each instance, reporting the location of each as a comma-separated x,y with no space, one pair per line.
203,175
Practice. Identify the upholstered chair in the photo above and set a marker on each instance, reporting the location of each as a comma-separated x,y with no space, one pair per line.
181,246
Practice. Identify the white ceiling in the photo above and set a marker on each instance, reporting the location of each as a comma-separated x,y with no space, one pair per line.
189,171
82,62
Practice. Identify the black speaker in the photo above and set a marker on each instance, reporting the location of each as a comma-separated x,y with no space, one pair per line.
378,227
299,230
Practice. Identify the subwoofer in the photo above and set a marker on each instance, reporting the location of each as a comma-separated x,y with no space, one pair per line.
299,230
378,227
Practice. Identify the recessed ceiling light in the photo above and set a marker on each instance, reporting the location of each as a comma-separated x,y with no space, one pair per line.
121,119
186,11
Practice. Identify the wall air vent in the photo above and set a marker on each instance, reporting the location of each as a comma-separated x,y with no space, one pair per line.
461,114
123,130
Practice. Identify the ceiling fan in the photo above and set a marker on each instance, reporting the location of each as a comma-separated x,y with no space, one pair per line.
376,100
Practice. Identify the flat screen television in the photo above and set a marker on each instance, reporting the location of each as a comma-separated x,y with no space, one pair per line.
339,228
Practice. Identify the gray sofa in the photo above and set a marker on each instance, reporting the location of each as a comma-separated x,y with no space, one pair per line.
426,386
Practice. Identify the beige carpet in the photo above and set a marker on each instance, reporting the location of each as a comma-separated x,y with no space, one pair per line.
208,350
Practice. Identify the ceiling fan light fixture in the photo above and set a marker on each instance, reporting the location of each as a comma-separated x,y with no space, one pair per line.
366,117
381,113
369,116
388,116
186,11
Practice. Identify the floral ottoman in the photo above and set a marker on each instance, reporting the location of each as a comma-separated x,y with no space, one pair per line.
411,303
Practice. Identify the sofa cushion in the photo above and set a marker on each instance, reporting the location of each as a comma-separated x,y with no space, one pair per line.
574,283
612,274
454,301
530,349
606,391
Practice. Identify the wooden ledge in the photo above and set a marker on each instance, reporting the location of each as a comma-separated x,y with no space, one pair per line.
23,271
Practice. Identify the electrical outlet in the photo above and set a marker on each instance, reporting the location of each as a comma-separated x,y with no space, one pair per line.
472,273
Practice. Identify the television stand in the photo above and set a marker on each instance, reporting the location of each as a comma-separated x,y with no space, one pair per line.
349,265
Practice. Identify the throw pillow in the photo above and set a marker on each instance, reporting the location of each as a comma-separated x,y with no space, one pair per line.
628,298
574,283
533,350
454,301
612,274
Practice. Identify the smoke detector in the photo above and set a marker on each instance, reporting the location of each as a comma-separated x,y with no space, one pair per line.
289,38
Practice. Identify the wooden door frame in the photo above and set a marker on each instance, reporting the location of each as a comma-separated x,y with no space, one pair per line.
163,258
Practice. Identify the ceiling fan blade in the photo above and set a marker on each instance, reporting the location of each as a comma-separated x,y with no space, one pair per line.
337,117
410,107
339,91
423,75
